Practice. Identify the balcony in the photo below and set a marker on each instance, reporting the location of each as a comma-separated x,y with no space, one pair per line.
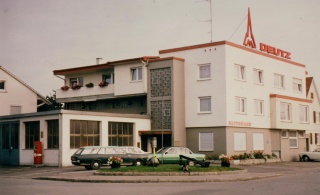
85,93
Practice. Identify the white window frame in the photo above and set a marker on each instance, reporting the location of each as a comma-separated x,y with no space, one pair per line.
297,85
4,85
304,114
240,105
258,76
279,81
136,73
204,71
240,72
258,107
240,141
285,111
293,138
206,141
202,104
258,141
76,81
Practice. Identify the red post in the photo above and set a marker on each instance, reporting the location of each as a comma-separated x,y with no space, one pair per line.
37,152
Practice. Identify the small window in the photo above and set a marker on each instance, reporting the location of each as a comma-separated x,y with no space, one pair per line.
136,74
240,72
240,105
204,71
258,76
2,85
206,141
108,78
279,81
76,81
205,104
311,94
285,111
297,85
284,134
304,114
258,107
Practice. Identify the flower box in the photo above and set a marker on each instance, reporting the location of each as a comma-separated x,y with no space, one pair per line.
89,85
75,87
103,84
64,88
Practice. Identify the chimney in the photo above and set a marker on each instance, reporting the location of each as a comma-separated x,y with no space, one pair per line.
97,60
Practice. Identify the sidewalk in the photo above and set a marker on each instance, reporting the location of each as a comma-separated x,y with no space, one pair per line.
95,177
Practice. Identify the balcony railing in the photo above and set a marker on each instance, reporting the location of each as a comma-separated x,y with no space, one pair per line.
85,92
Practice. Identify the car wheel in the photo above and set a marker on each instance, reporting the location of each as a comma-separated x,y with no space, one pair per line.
138,162
305,158
88,167
190,163
95,165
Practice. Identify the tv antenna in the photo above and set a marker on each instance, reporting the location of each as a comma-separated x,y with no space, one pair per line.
210,20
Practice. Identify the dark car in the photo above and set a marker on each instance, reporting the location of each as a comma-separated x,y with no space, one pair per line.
171,155
93,157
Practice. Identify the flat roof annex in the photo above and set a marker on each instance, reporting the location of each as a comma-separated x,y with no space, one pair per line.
98,67
232,45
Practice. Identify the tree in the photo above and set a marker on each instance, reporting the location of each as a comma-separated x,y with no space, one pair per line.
54,104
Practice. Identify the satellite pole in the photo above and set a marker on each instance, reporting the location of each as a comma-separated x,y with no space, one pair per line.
210,20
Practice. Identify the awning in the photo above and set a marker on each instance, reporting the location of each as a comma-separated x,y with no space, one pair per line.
154,132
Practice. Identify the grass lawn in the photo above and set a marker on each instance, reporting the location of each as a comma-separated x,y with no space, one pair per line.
168,168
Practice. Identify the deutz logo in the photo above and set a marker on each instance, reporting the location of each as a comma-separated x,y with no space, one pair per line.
249,38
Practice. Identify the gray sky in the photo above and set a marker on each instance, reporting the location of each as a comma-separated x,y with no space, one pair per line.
39,36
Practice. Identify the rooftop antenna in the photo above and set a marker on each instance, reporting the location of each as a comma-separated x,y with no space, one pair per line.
210,17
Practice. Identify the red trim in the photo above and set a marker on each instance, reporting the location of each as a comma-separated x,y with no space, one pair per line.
233,45
290,98
167,58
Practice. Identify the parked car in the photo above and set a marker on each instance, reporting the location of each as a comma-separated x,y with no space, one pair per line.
307,156
170,155
93,157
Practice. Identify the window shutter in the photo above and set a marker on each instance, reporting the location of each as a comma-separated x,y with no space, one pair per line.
310,138
314,116
316,138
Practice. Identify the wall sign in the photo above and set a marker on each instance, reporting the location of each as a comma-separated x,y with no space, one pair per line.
250,41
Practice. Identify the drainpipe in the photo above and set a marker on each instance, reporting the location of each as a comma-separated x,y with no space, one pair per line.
145,63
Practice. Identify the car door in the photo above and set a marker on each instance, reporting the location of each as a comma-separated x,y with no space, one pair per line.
171,156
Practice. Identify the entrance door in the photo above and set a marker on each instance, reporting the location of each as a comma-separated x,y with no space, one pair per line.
9,143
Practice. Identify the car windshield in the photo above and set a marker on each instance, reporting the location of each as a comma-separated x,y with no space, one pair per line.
161,150
79,151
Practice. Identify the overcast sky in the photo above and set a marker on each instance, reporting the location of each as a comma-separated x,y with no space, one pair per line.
39,36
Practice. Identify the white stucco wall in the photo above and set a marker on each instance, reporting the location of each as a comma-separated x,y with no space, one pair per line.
16,94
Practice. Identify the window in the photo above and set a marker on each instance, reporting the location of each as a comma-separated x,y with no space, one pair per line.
258,107
285,111
311,94
258,76
297,85
317,138
204,71
84,133
293,139
108,78
32,133
240,72
240,105
206,141
301,134
258,141
278,81
316,117
2,85
304,114
284,134
76,81
120,134
240,142
53,134
205,104
136,74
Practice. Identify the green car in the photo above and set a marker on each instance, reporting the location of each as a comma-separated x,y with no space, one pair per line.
171,155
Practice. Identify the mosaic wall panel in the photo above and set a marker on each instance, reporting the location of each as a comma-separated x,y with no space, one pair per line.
160,82
161,116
